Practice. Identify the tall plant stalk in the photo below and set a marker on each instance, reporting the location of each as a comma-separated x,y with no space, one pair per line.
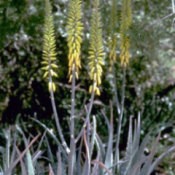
56,117
96,51
126,20
49,64
74,30
72,155
117,149
90,138
116,97
88,113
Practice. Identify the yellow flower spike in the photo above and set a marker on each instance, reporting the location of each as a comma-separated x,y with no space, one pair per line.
49,54
96,53
112,37
75,32
126,20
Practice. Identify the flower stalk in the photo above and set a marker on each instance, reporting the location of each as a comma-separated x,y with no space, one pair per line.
74,39
49,65
96,51
126,20
49,47
112,37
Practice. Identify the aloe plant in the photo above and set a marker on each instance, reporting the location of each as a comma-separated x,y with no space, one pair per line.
11,155
85,152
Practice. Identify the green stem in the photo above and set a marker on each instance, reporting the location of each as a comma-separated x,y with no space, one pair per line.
117,150
88,113
118,107
72,155
57,119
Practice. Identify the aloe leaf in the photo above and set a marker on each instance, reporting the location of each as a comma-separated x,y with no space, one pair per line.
49,151
109,151
137,148
7,150
93,135
30,166
141,149
86,168
8,171
136,167
159,159
60,163
95,168
132,147
146,166
23,167
129,151
13,153
101,146
129,142
49,131
102,166
79,167
37,155
137,131
51,170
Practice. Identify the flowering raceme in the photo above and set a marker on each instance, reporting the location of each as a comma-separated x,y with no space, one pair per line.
112,32
74,31
49,54
126,20
96,52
